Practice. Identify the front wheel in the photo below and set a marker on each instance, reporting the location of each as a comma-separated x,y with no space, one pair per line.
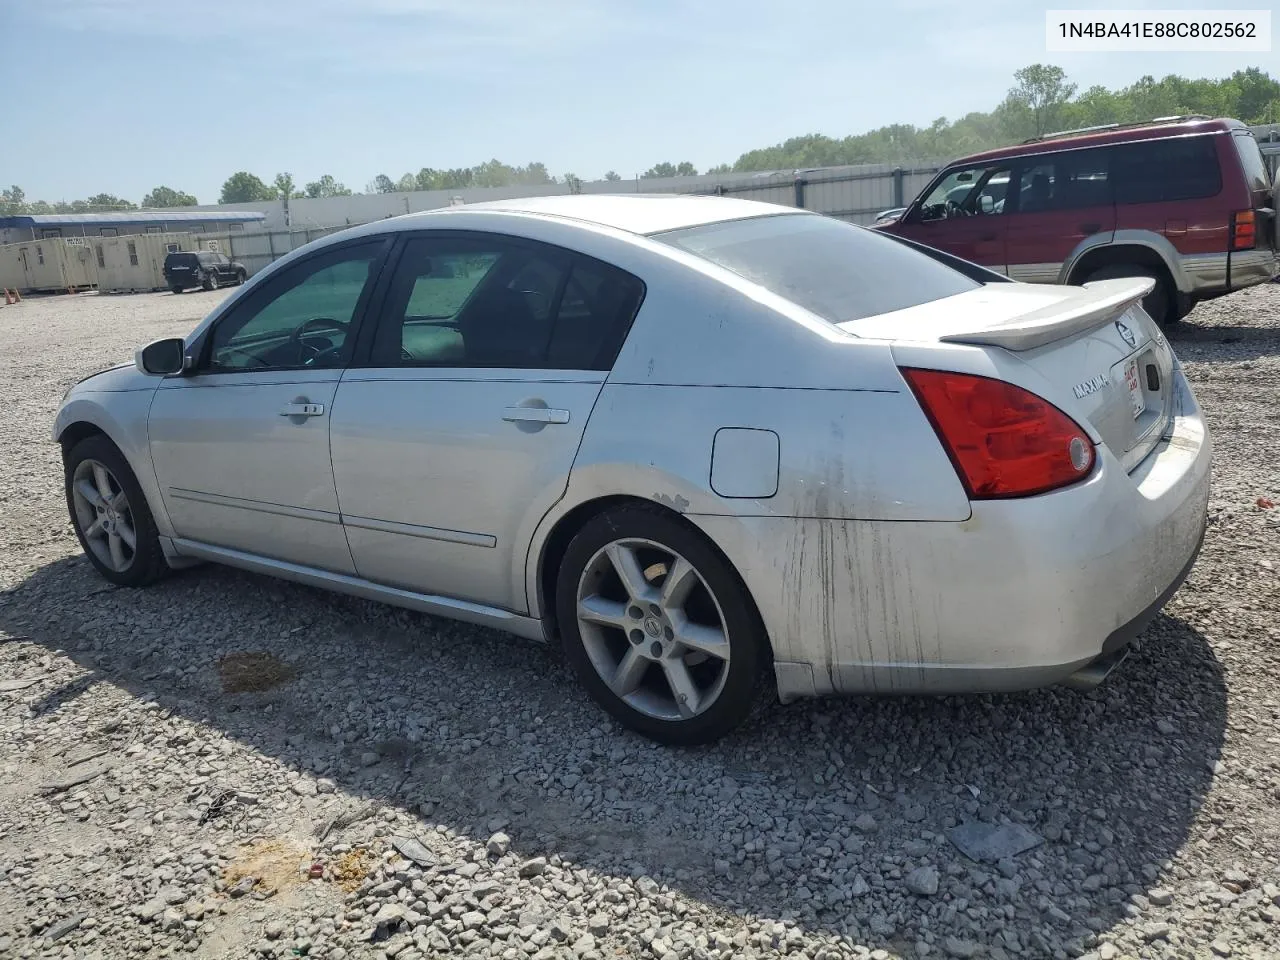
241,276
210,281
658,627
110,514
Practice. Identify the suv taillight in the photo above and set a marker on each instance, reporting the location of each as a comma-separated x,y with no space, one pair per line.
1003,440
1244,234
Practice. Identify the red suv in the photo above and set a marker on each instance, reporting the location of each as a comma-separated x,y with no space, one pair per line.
1187,201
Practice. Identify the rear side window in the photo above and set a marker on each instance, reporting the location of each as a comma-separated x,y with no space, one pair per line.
1159,171
490,301
1255,168
831,268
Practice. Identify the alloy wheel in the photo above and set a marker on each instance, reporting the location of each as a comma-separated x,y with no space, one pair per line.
103,515
652,629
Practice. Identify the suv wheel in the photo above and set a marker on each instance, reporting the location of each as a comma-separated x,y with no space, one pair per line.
210,280
1160,303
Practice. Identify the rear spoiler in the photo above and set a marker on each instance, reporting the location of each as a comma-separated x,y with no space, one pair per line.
1098,302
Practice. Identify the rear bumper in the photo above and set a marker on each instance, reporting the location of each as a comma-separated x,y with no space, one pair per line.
1249,267
1025,593
1221,272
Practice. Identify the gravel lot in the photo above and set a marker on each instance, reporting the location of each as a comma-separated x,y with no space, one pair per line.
538,828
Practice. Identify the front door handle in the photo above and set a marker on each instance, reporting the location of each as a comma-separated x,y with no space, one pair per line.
1090,228
300,409
535,415
987,237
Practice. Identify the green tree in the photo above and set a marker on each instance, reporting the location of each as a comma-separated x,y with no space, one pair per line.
721,168
1040,91
382,184
326,186
682,169
284,187
244,187
106,202
168,197
612,176
573,182
406,183
13,201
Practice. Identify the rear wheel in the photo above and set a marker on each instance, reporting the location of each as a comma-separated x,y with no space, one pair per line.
175,289
111,516
1160,303
658,627
210,280
241,276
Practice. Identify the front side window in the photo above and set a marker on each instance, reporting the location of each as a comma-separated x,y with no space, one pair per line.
494,302
302,319
967,192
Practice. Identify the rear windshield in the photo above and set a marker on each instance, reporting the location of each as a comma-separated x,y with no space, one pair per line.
831,268
1255,168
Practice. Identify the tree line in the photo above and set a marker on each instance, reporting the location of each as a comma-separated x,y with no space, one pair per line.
1042,99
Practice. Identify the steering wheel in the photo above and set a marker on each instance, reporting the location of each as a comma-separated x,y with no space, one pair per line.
300,333
954,210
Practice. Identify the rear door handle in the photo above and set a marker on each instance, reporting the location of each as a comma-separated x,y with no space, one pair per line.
535,415
302,410
987,237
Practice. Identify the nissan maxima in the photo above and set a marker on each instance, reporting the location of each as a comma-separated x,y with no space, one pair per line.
710,446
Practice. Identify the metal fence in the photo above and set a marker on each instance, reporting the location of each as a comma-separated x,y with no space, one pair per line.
853,193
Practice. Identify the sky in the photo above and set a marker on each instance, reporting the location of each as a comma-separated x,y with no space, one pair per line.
119,96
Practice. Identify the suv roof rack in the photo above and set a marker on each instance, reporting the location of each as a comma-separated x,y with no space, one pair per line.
1116,126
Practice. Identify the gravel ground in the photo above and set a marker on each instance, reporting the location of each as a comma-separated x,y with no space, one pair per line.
230,766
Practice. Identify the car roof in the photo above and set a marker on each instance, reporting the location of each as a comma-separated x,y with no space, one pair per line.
636,213
1112,134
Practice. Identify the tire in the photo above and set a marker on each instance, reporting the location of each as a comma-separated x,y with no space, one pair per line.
210,281
241,276
175,289
720,676
125,566
1160,303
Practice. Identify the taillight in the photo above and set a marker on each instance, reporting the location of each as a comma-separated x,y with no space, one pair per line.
1003,440
1243,230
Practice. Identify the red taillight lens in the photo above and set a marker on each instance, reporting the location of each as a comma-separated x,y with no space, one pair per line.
1243,230
1003,440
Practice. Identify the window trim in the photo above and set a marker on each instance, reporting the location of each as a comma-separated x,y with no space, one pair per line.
362,359
377,268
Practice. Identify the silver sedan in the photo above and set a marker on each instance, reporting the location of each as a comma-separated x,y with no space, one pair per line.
709,446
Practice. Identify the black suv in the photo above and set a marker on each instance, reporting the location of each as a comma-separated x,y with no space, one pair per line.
203,269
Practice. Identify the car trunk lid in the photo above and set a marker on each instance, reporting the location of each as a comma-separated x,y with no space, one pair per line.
1095,343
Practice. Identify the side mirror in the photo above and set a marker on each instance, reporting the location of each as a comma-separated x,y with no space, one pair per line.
161,358
988,203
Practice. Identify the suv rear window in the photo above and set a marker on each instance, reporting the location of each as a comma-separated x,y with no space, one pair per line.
1255,168
1156,171
180,260
831,268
